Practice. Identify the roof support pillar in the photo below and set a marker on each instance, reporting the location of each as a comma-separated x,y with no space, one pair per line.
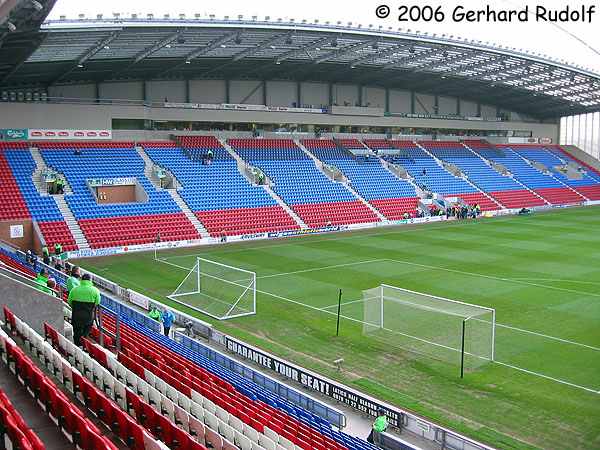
298,94
436,104
97,92
330,93
187,91
458,106
412,102
144,91
478,109
361,88
264,92
387,100
227,90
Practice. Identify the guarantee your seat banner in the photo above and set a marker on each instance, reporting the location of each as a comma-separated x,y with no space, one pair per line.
312,381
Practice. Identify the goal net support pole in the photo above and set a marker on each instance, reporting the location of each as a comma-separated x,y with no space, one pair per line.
432,325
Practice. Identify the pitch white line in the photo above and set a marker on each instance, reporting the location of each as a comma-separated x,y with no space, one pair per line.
558,280
492,277
343,304
530,372
564,341
316,269
556,380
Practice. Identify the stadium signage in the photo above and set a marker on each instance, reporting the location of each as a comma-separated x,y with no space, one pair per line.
14,134
315,382
67,135
122,181
240,107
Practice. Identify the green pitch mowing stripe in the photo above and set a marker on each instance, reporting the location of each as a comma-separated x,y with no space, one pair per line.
540,273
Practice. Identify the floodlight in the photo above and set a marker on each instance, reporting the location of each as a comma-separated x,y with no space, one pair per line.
11,26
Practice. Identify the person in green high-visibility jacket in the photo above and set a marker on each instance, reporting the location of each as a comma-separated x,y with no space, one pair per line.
84,299
154,313
73,280
379,426
57,249
41,282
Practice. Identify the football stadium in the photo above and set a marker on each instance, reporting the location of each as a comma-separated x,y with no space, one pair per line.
255,233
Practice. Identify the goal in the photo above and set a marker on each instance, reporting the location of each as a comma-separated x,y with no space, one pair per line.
449,330
217,290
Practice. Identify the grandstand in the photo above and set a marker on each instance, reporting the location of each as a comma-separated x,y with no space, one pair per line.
175,140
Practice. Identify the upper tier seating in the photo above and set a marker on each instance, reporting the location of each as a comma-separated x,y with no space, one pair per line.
390,195
590,182
428,174
24,197
350,143
121,224
592,191
544,185
297,180
12,203
505,189
220,196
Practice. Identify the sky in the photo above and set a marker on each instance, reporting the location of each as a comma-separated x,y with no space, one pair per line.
576,42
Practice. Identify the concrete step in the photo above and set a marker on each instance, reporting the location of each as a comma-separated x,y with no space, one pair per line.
346,184
441,164
202,231
241,167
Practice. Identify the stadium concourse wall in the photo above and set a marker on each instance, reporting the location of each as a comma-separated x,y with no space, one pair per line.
88,115
133,305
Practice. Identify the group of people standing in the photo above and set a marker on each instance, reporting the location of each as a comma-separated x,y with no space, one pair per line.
464,211
82,295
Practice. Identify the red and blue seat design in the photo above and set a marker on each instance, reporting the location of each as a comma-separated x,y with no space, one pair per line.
316,199
392,196
121,224
21,200
221,197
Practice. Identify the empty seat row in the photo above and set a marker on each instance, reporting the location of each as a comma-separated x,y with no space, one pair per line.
232,392
14,429
56,404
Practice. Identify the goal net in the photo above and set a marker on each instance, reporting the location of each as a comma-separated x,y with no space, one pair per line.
449,330
217,290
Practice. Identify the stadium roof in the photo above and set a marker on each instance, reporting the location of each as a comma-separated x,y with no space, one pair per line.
111,49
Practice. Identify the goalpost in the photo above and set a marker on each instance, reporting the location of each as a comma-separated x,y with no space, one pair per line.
217,290
449,330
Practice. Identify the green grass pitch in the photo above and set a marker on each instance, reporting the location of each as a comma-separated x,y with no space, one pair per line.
541,273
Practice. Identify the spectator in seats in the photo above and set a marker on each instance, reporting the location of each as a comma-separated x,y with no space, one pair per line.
74,279
84,300
60,186
167,319
42,281
77,151
209,155
57,249
154,314
52,288
406,216
58,265
379,426
45,254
